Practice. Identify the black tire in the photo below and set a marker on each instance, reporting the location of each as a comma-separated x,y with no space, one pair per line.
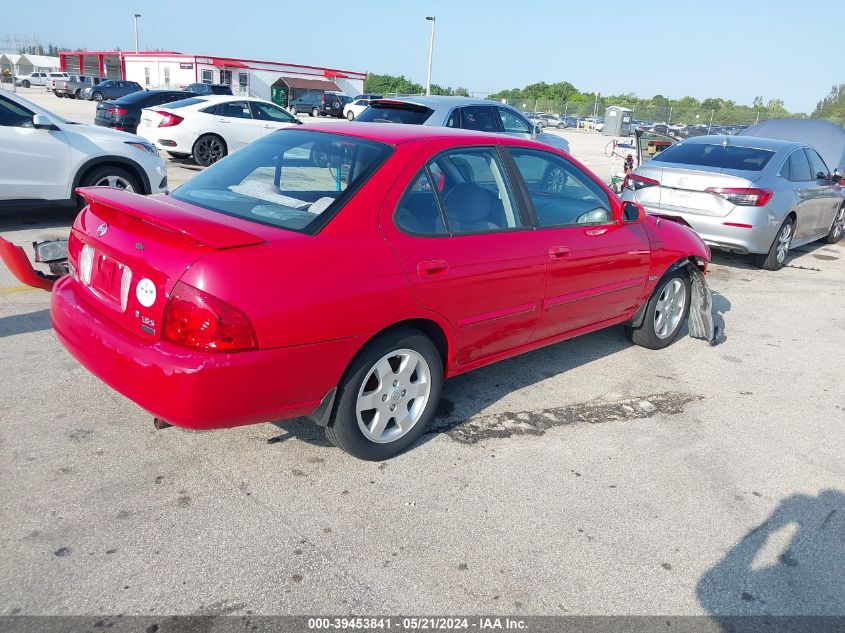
208,149
97,96
26,84
343,429
315,112
58,94
76,93
837,227
178,155
350,116
96,176
646,334
775,258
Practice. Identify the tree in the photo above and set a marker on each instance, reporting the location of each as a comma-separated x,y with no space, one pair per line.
386,84
833,105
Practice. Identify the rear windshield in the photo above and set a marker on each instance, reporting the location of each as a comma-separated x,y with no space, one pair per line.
389,112
720,156
291,179
138,97
186,102
221,90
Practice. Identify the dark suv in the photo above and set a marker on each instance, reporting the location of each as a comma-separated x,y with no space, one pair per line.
319,103
209,89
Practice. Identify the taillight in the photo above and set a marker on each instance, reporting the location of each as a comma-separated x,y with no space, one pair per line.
635,182
117,111
744,197
196,319
169,119
323,99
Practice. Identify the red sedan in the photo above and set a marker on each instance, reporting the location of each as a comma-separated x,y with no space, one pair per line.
342,272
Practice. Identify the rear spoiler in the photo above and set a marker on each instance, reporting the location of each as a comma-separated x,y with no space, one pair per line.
193,223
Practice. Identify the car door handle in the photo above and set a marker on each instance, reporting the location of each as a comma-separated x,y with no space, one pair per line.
269,127
433,268
559,252
222,120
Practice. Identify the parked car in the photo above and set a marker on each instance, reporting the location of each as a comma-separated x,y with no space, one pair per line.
38,78
369,95
55,77
125,113
535,118
210,127
209,89
357,106
109,89
320,103
74,85
481,115
552,120
479,248
742,194
44,157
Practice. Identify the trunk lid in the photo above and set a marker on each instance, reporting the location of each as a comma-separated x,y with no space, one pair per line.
684,190
129,251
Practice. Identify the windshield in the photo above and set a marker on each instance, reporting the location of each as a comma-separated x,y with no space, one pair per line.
291,179
721,156
395,112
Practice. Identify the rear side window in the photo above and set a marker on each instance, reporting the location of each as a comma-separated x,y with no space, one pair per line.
720,156
395,112
293,179
817,166
797,169
419,210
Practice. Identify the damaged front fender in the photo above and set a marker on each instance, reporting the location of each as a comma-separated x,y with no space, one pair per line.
19,265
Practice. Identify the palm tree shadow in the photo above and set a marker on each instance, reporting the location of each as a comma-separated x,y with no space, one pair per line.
759,576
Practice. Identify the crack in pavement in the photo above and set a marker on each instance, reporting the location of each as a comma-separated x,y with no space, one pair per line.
507,424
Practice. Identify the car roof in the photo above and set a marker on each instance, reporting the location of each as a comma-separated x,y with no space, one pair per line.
438,101
775,145
397,133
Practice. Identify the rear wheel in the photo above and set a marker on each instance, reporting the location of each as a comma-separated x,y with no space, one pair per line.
350,115
776,257
208,149
666,311
388,395
315,112
837,228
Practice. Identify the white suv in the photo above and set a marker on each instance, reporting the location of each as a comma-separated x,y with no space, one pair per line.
44,158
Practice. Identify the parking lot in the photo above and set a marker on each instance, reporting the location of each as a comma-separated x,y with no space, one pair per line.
589,477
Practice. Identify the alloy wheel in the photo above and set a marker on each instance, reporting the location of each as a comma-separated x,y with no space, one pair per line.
210,150
116,182
669,308
839,223
393,396
784,240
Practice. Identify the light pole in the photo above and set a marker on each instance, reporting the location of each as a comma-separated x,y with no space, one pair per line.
137,15
430,54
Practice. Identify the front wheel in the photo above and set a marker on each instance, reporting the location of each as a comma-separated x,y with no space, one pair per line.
26,84
350,115
665,312
388,395
109,176
776,257
837,228
98,96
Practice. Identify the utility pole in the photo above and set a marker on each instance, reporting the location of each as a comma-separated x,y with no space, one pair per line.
430,54
137,15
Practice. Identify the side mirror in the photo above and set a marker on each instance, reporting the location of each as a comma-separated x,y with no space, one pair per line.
836,176
632,213
538,129
41,122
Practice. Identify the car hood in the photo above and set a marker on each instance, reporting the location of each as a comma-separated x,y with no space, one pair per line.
98,133
558,142
827,138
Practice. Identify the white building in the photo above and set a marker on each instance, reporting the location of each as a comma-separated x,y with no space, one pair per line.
19,65
275,81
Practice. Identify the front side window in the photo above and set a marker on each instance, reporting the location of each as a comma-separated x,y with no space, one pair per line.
480,118
562,195
234,110
294,179
13,115
817,166
268,112
514,123
471,190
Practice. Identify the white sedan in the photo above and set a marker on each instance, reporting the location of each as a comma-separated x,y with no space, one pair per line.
209,127
353,109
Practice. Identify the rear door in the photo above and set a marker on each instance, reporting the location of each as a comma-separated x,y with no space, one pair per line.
596,267
467,250
236,125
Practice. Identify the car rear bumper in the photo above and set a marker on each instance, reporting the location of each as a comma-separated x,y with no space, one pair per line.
193,389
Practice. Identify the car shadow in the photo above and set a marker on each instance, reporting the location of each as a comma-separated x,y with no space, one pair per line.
25,323
746,262
789,565
48,217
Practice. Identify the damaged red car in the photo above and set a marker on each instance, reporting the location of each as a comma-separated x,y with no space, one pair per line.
343,272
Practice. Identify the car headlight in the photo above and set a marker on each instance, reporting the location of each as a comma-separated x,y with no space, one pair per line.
144,147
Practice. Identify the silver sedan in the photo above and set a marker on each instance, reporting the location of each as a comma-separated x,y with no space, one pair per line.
744,194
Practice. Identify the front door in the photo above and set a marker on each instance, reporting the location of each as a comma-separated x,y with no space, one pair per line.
34,164
825,198
468,252
596,266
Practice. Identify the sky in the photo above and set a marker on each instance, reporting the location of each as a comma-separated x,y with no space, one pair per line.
731,49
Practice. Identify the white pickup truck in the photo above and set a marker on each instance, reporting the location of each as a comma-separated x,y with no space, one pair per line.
39,78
